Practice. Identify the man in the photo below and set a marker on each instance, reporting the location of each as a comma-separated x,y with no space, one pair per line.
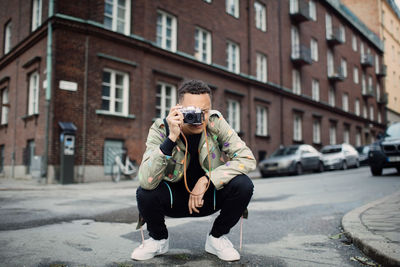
163,190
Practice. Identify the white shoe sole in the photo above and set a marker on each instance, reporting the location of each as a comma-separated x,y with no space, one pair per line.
148,257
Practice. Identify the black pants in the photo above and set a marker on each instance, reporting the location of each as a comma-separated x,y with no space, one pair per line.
232,200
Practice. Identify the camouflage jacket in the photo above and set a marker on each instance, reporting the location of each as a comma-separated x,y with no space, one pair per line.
156,166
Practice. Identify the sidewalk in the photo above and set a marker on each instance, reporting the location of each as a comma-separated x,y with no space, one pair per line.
375,229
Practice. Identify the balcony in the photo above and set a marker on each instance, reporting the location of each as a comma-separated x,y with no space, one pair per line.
382,71
299,11
368,92
301,55
335,37
336,75
367,60
383,99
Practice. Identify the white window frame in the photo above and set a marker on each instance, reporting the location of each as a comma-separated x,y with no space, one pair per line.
297,128
296,82
365,112
356,77
332,97
371,113
317,131
378,91
202,47
233,111
260,14
295,38
379,117
112,94
262,121
346,135
342,31
163,107
354,43
362,50
7,37
314,49
363,83
370,83
232,7
162,29
332,134
33,100
315,90
262,68
357,109
115,18
377,65
328,25
313,10
343,64
4,106
345,102
358,137
233,57
36,14
330,63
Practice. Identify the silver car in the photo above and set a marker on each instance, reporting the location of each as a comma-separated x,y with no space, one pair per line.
292,160
340,157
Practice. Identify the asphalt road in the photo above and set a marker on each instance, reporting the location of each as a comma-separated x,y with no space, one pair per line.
293,221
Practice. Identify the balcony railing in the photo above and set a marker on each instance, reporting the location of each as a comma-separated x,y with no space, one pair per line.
335,38
301,55
299,11
368,91
336,75
382,71
367,60
383,99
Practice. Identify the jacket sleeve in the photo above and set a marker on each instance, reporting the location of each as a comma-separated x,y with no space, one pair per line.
154,162
240,158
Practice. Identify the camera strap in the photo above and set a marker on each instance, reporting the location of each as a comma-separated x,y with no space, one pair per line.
166,127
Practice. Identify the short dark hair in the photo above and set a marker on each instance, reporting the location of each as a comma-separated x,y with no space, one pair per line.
195,87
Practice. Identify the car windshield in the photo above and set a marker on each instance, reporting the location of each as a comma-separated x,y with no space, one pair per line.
284,151
330,150
362,149
393,131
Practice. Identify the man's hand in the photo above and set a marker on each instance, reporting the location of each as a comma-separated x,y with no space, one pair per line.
175,122
197,201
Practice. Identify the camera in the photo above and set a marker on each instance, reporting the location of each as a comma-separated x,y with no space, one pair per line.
192,115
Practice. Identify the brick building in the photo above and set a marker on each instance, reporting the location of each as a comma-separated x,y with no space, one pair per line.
282,72
383,18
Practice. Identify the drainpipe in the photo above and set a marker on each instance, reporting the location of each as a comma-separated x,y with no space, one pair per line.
48,88
85,89
280,69
249,61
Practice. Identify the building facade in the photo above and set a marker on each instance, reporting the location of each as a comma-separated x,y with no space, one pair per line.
383,18
281,72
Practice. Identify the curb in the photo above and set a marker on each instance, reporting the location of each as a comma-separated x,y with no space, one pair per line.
375,246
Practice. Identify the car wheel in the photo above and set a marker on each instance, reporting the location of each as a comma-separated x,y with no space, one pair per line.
376,171
299,169
398,170
344,165
320,167
264,175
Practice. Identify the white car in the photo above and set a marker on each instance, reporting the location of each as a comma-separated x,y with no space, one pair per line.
340,157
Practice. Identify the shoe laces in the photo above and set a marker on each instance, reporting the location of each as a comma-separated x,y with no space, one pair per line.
224,242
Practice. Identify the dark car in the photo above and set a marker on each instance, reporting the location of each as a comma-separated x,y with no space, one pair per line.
292,160
363,154
385,152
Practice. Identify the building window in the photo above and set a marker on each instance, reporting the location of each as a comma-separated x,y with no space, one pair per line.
261,17
355,75
330,64
296,82
345,102
233,57
370,83
232,7
202,45
28,154
112,148
365,112
262,121
262,68
295,42
332,134
328,25
362,52
297,128
315,89
371,113
378,91
314,49
377,65
354,43
332,97
343,65
358,137
363,83
7,37
36,14
166,31
346,135
379,117
317,131
33,101
117,15
342,33
233,111
115,91
165,99
313,10
4,106
357,107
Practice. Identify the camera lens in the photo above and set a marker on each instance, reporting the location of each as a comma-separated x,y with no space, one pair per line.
189,118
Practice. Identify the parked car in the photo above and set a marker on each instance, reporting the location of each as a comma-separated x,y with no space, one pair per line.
363,154
292,160
339,157
385,152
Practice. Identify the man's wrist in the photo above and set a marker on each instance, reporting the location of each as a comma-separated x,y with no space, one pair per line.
173,137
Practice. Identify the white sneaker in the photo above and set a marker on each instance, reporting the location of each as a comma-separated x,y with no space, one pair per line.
222,248
150,248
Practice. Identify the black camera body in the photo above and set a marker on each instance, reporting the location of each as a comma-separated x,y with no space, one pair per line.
192,115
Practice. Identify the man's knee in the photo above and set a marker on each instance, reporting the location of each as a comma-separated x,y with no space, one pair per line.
243,185
148,197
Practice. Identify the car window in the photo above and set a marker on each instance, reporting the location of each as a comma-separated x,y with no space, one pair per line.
285,151
330,150
393,131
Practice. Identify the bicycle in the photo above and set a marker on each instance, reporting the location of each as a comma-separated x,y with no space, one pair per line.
128,169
